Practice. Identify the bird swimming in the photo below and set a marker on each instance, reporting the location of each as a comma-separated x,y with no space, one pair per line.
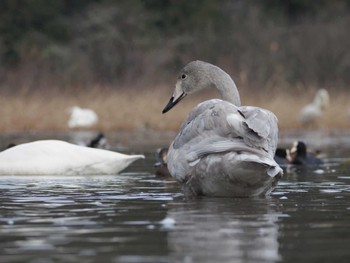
161,164
223,148
99,141
298,154
55,157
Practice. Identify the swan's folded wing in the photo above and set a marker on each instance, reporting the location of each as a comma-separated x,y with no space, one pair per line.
205,120
198,110
214,120
258,127
256,120
221,145
245,153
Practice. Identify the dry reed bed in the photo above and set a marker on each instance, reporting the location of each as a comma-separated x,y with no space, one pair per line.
126,110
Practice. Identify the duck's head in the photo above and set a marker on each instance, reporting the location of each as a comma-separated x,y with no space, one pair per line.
297,152
161,157
99,141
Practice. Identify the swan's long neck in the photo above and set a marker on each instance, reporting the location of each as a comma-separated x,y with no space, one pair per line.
226,86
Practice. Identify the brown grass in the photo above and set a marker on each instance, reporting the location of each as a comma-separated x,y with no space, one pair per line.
126,110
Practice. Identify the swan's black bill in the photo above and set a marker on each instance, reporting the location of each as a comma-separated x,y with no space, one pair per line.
172,103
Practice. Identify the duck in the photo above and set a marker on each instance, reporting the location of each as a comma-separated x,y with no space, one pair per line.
161,166
223,149
81,117
99,141
299,155
55,157
281,156
310,113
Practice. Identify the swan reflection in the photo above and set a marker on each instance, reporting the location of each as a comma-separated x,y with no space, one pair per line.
225,230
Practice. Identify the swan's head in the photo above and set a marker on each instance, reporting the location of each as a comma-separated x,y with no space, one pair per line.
193,77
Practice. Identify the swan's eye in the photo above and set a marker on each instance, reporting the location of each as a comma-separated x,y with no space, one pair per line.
183,76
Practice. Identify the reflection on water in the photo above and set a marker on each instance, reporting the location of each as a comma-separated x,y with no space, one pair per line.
135,217
228,230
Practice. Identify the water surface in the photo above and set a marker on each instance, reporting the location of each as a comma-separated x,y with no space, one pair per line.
137,217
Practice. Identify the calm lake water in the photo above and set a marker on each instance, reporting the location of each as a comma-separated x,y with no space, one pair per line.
136,217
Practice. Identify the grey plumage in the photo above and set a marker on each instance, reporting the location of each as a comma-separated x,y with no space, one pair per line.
222,149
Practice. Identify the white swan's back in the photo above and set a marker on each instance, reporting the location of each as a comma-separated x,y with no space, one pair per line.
53,157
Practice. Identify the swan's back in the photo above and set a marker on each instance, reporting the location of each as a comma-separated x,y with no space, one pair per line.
216,118
59,157
220,138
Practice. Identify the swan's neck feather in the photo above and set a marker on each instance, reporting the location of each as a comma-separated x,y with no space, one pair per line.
226,86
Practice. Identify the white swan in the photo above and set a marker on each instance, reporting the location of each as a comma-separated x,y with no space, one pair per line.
54,157
80,117
313,111
222,149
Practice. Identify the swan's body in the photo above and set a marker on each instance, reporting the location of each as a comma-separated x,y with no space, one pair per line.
222,149
80,117
313,111
53,157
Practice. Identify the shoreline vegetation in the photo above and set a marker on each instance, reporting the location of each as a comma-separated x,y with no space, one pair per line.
131,108
120,58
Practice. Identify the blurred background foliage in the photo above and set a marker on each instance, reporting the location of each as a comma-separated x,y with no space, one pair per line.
284,44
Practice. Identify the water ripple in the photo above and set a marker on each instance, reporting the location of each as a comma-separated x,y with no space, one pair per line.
135,217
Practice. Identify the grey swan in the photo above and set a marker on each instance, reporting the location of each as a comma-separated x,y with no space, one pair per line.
223,148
